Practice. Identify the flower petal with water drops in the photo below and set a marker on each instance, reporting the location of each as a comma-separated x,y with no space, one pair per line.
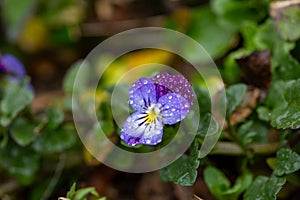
142,98
174,108
177,84
137,131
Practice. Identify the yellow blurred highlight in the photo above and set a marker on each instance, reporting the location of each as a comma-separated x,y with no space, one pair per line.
34,36
129,61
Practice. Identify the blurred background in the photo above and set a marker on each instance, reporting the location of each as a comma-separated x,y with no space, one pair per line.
49,37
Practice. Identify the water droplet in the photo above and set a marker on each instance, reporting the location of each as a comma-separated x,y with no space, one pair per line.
170,97
173,109
145,81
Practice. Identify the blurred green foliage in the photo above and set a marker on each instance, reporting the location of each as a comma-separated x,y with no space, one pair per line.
33,144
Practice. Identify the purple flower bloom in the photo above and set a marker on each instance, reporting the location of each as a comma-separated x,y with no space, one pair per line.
12,67
162,99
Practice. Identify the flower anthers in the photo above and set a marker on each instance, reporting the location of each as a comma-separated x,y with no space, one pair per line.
162,99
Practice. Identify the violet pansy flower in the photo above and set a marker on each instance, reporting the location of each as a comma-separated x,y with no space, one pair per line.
13,68
162,99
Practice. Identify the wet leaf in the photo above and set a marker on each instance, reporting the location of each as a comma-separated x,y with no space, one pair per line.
264,188
183,171
288,116
287,162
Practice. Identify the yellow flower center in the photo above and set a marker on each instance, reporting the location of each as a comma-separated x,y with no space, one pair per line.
152,115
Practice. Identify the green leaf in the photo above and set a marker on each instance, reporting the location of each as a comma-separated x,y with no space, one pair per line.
104,115
71,193
283,118
286,18
288,116
21,162
22,131
263,113
275,95
232,72
292,94
216,181
287,162
55,141
55,118
233,13
81,194
264,188
250,132
265,36
207,126
284,65
183,171
203,27
241,184
16,96
203,99
234,96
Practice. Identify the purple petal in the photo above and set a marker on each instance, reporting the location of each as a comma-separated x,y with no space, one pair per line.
13,66
161,90
137,131
140,82
2,67
142,98
177,84
174,108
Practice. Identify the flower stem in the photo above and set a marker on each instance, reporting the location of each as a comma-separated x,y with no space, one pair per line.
230,148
